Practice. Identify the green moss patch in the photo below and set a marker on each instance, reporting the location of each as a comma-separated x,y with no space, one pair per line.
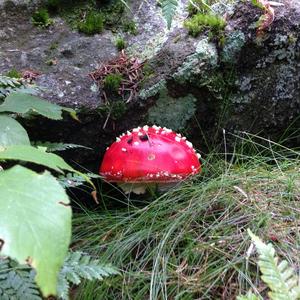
112,82
200,22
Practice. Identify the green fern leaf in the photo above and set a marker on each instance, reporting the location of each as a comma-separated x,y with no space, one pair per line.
80,266
8,85
53,147
17,282
9,82
63,287
71,180
169,8
279,277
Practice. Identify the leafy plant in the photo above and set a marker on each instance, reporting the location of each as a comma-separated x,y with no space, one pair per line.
8,84
93,23
79,266
278,275
21,103
35,222
169,8
35,215
71,180
41,18
54,147
34,207
17,281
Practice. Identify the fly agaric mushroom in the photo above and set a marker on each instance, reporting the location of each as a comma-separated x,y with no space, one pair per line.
147,156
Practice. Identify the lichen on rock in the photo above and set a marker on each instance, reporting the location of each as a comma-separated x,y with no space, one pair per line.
172,112
205,56
152,90
232,47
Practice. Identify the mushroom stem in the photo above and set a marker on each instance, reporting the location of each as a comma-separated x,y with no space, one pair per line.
137,188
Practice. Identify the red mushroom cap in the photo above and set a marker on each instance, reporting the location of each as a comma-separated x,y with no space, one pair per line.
150,154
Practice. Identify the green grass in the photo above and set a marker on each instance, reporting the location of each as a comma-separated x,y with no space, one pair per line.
14,73
191,243
93,23
76,14
41,18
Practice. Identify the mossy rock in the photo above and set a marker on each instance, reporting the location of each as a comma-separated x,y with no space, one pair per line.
171,112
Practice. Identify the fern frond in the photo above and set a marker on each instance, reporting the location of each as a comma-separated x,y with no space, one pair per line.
73,180
52,147
279,276
8,85
78,266
17,283
169,8
6,81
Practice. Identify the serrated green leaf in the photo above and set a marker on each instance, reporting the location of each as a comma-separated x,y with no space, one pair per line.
63,287
12,132
35,223
34,155
53,147
279,277
23,103
17,281
169,8
80,266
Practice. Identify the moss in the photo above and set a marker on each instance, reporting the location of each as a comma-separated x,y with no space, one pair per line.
13,73
112,82
200,22
130,27
172,112
41,18
120,43
94,23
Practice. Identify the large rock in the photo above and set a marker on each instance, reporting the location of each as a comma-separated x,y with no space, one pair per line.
197,86
247,83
